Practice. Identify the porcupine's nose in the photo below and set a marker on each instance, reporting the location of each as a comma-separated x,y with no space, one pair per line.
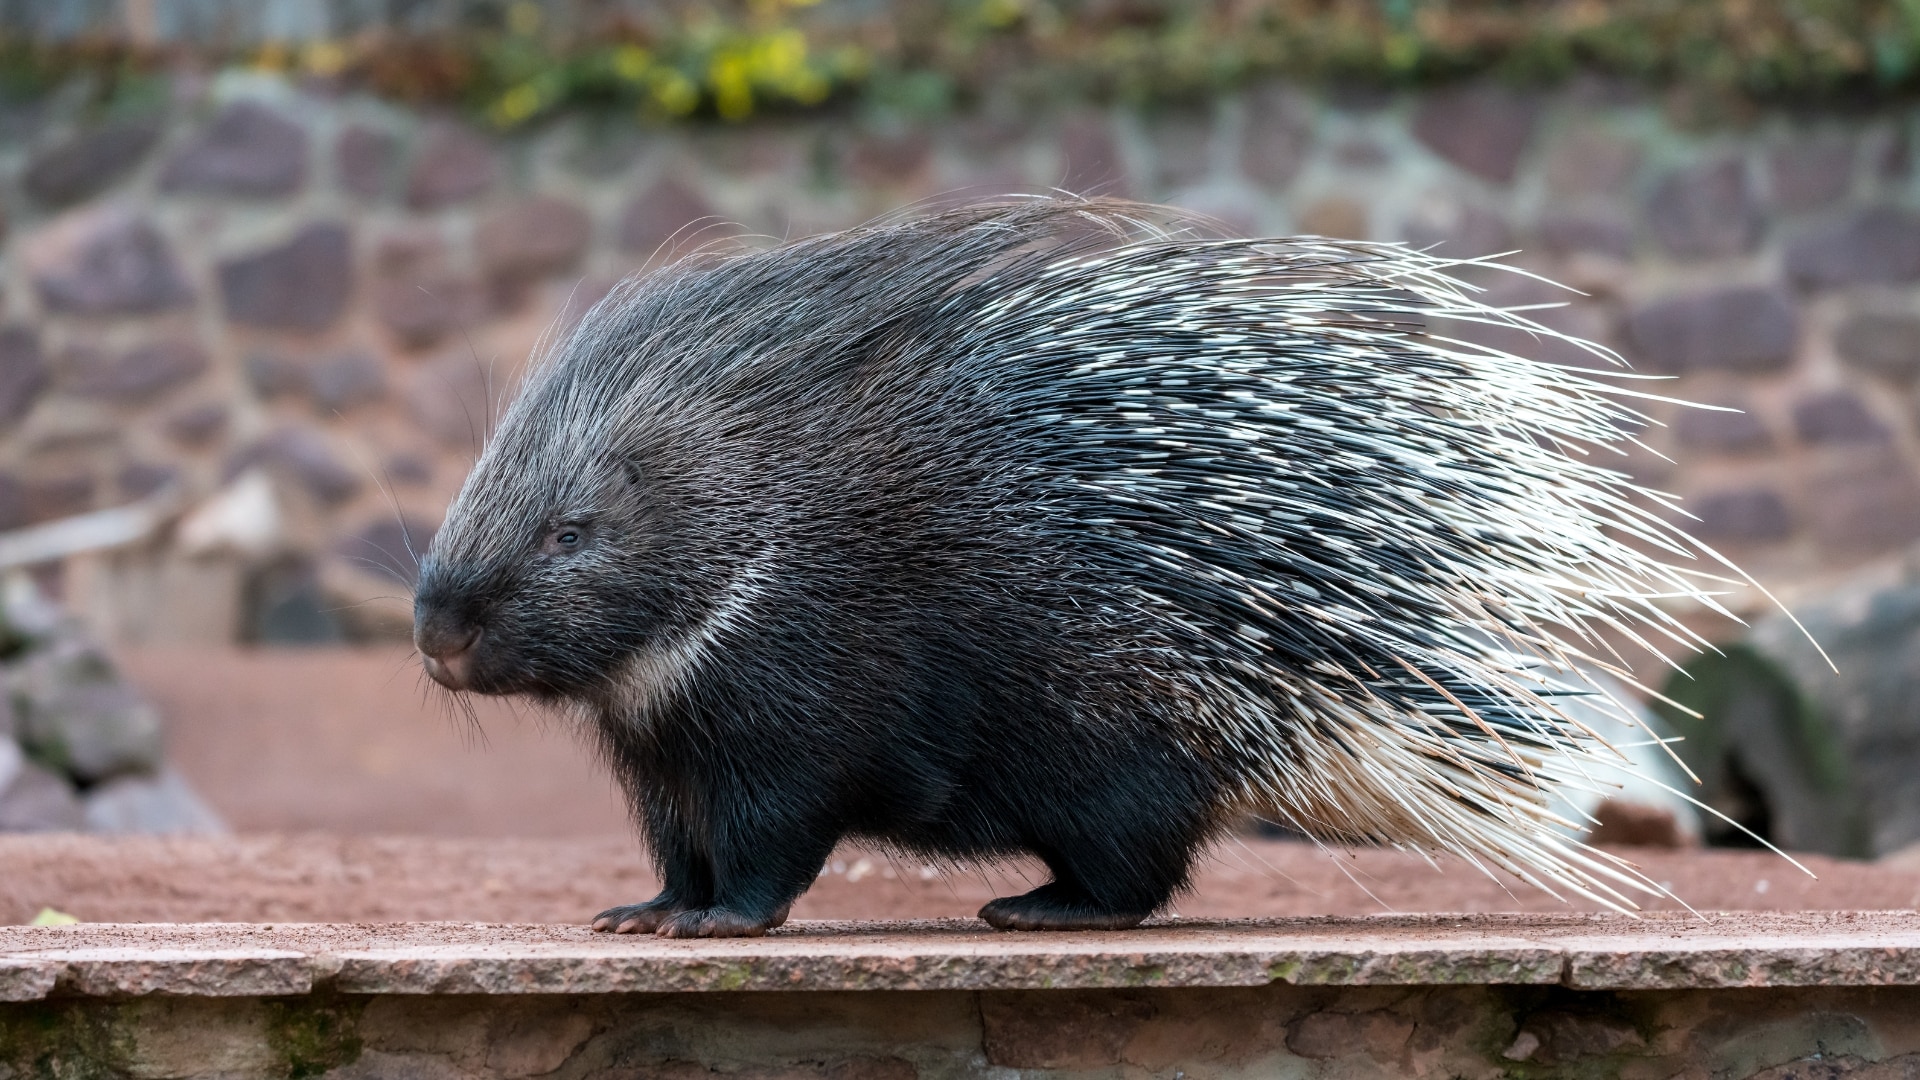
447,652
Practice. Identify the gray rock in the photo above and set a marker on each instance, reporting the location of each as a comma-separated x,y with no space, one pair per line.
136,375
878,160
160,804
1741,328
1837,416
421,310
1745,516
23,372
33,799
1278,134
302,284
1724,432
389,547
1483,129
660,214
345,380
1811,171
196,424
1091,162
105,262
453,166
307,457
452,401
1887,345
1706,211
77,716
249,150
1877,245
89,162
1862,504
1591,162
1826,760
1594,233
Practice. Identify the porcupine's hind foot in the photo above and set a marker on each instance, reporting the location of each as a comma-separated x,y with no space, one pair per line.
638,918
1054,906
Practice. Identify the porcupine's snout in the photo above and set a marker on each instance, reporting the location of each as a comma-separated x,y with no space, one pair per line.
447,648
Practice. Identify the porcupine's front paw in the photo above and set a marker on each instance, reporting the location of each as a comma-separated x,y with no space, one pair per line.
1051,907
719,922
638,918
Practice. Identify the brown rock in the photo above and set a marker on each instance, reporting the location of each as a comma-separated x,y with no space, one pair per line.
1880,244
1339,218
412,469
1745,328
391,547
23,372
105,261
13,501
1590,233
1811,171
1591,162
453,165
661,215
1722,432
1861,505
272,374
1706,211
1278,135
196,425
451,399
1182,146
1058,1031
1091,162
1887,345
1632,824
1837,416
363,161
89,162
1361,154
1325,1035
1483,129
1567,1036
302,284
342,381
1746,516
142,478
305,456
33,799
249,150
46,498
881,160
1458,229
532,238
136,375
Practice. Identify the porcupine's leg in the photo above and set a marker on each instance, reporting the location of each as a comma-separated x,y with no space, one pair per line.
760,866
686,876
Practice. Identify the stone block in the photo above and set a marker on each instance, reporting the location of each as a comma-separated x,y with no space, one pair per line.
363,159
883,160
1885,345
389,546
1483,129
1595,232
88,162
23,372
421,310
33,798
1059,1031
139,479
1706,211
1592,161
105,261
415,470
1323,1035
1342,219
453,166
1745,516
1564,1036
197,424
1811,171
163,803
305,456
345,380
13,501
1182,140
272,374
1876,245
1862,504
1278,136
249,151
451,399
47,498
663,214
1837,416
532,238
1722,432
1090,158
139,374
1741,328
1457,229
302,284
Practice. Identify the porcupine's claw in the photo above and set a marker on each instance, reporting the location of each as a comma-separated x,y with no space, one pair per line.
719,922
639,918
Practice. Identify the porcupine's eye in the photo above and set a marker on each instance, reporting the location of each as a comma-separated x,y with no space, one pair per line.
564,540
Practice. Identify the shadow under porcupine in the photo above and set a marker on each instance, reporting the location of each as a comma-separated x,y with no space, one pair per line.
1030,528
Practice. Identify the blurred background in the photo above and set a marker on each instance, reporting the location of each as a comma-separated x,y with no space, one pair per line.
270,269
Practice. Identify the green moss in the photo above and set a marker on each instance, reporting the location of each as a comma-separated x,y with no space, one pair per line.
64,1041
314,1035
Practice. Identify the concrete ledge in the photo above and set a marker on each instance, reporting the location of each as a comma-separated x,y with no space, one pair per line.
1591,952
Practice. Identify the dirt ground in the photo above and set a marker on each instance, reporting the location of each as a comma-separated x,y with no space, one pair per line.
359,793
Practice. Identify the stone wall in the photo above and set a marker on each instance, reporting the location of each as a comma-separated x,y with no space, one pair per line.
275,295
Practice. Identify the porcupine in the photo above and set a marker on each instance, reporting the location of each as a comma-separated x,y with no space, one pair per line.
1033,528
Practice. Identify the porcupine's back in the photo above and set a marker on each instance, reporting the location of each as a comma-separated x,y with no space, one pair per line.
1233,489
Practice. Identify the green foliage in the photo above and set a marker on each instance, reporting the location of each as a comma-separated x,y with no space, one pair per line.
730,59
